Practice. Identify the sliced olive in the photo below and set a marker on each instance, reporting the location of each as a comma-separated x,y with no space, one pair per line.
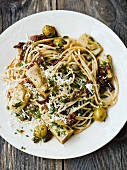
40,131
49,31
59,42
100,114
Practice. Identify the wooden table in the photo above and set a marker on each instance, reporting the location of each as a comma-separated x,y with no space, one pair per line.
113,156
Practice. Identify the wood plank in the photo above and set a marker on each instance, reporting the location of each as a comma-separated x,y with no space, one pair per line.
10,157
13,159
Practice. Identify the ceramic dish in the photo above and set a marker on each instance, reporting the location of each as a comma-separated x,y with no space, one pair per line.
97,135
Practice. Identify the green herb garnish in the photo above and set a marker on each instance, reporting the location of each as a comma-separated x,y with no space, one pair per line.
20,64
54,124
38,115
36,139
20,131
65,36
52,110
104,64
23,54
58,133
7,107
23,148
17,105
51,82
44,63
67,128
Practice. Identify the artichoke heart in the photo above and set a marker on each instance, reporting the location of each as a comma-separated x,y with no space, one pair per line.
38,78
87,41
20,98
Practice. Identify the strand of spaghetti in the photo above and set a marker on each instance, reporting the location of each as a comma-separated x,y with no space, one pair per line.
83,70
33,45
86,68
95,106
82,118
93,69
78,108
59,63
46,46
68,105
75,124
31,56
95,61
78,130
26,53
83,48
83,124
45,52
41,41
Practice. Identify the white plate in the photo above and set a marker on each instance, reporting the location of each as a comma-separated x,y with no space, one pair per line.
72,24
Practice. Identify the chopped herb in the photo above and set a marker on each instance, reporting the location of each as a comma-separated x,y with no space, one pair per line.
81,111
53,94
54,124
38,115
58,133
104,64
20,131
51,82
63,68
61,126
65,36
31,130
36,139
63,132
23,148
7,107
65,100
58,48
17,105
67,128
76,85
37,96
52,110
20,64
103,96
27,135
92,121
15,132
17,114
23,54
44,63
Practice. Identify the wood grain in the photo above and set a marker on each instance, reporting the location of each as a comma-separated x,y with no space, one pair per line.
113,156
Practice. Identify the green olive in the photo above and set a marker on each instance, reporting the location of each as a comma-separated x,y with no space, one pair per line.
40,131
100,114
59,42
49,31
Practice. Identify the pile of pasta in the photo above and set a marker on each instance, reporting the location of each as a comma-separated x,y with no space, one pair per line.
63,83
